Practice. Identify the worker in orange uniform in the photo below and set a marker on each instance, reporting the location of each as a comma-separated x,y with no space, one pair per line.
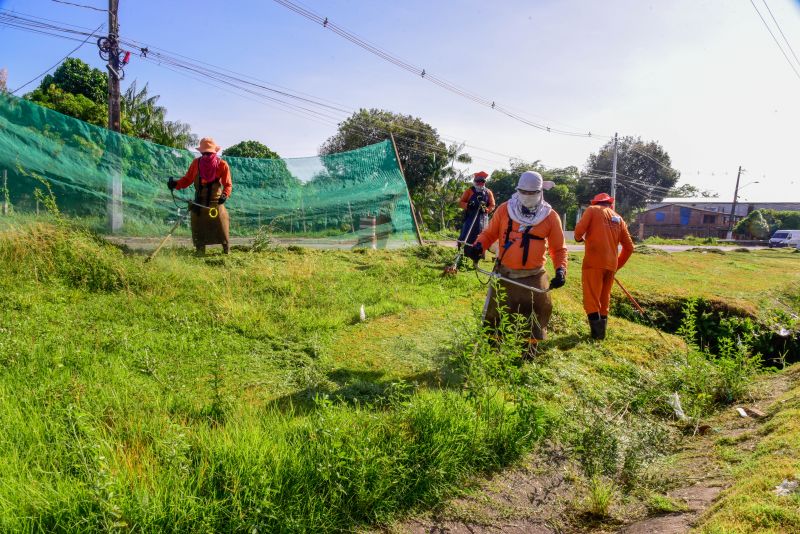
477,202
526,226
603,230
211,177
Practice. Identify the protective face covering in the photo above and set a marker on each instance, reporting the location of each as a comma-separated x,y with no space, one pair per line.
530,201
480,187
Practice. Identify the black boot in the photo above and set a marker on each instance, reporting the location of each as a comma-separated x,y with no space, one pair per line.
597,326
604,318
225,248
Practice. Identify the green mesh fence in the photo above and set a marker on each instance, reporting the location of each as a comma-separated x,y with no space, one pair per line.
118,183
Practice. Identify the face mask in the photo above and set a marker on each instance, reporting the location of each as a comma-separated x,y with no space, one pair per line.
530,201
480,187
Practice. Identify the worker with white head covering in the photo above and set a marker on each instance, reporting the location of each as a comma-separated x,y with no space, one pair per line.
526,226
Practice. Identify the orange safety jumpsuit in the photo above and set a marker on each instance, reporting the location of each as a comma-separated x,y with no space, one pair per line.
523,261
603,230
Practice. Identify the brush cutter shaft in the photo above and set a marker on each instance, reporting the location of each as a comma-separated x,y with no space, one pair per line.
498,276
171,230
639,308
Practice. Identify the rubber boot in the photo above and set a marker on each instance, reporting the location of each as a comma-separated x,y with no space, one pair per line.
604,318
598,328
225,248
201,250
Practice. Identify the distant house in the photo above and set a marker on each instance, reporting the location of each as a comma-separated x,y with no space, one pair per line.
713,204
679,220
701,217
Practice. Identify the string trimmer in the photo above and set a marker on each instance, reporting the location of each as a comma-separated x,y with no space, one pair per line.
453,269
212,213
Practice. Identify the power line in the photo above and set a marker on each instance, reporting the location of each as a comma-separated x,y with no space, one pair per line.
59,61
234,81
776,40
780,30
422,72
80,5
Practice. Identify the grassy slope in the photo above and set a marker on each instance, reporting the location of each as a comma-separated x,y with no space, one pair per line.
751,505
156,395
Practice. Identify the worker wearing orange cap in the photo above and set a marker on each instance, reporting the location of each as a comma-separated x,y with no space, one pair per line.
211,177
477,202
527,226
603,230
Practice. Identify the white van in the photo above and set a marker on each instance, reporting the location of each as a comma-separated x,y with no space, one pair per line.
785,238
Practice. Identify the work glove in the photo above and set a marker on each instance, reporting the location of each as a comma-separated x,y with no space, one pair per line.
484,208
172,184
559,279
222,198
474,252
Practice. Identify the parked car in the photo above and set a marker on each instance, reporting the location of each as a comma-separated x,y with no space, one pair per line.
785,238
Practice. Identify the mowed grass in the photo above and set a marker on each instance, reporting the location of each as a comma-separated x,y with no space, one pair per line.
243,393
751,504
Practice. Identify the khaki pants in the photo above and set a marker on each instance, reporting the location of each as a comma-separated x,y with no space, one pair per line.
535,307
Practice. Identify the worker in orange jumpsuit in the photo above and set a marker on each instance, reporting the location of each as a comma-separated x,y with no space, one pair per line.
603,230
526,226
212,182
477,202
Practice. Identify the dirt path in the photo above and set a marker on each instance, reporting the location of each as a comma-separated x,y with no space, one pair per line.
540,496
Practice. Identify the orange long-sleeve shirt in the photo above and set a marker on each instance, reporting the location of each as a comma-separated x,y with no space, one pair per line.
550,229
223,173
604,230
465,198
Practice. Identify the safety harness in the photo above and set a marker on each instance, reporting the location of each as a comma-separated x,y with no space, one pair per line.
524,243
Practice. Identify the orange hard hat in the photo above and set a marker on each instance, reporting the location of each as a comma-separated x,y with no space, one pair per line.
602,197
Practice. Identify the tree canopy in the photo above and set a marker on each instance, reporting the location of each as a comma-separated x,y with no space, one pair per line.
562,197
76,77
78,90
250,149
691,191
644,171
421,151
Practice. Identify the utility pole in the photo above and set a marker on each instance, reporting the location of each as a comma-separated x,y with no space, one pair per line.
614,169
113,67
114,76
5,192
733,207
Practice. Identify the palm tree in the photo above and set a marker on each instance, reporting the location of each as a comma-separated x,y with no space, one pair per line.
147,120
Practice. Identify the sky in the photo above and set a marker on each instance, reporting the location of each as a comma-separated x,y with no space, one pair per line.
704,78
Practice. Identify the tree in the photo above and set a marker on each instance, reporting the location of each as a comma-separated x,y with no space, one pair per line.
562,197
421,151
3,80
145,119
690,191
644,171
250,149
77,106
439,202
76,77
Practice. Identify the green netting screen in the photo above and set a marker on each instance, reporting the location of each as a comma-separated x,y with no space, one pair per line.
115,182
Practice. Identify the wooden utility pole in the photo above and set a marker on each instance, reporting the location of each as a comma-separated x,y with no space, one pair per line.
410,202
114,119
733,206
5,192
614,169
113,67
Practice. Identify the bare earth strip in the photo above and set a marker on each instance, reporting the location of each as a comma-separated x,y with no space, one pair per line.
540,496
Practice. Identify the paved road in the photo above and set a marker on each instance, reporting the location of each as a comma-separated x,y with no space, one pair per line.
149,243
666,248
